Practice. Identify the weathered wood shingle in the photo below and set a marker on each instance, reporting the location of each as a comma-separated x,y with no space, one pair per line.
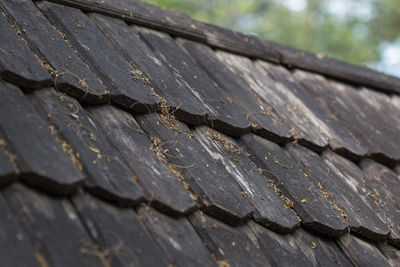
121,78
269,209
264,122
39,157
216,190
222,114
314,210
17,63
145,157
108,176
127,139
54,50
361,219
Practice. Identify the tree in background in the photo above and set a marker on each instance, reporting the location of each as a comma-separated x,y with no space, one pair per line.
356,31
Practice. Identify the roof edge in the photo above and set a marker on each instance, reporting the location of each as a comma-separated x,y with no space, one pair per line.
179,24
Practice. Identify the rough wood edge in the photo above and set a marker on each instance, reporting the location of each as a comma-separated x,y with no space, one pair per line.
290,57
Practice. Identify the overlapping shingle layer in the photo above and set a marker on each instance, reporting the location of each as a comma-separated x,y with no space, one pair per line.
131,144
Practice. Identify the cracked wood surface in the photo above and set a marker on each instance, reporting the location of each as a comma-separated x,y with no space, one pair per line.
186,178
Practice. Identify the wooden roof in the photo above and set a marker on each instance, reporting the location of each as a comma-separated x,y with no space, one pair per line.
131,135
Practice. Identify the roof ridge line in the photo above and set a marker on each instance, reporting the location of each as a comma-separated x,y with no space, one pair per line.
179,24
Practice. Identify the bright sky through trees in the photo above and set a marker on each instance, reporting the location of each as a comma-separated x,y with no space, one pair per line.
363,32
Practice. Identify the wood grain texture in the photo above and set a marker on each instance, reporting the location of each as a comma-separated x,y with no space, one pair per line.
239,43
361,252
222,114
284,250
322,251
145,14
108,175
118,231
17,63
70,73
269,209
384,104
383,126
178,239
386,184
217,192
53,227
182,102
313,208
181,25
340,70
163,189
123,80
336,98
17,240
391,253
232,245
361,219
360,183
340,140
39,157
277,99
265,123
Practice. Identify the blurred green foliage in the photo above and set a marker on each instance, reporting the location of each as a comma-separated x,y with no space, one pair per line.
351,30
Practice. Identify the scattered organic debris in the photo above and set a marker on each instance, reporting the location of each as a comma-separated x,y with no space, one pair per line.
223,142
16,29
182,179
11,157
296,136
72,155
375,196
254,125
95,150
188,134
42,261
48,67
138,74
103,254
313,244
156,148
288,202
223,263
331,201
166,116
235,159
269,156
